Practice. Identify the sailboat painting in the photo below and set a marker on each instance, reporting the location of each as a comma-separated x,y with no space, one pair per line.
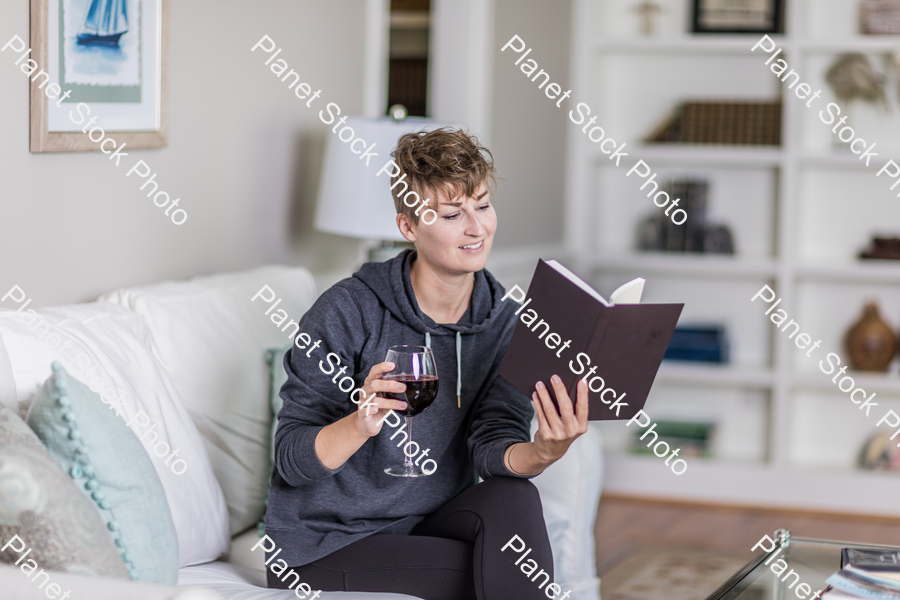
106,23
101,42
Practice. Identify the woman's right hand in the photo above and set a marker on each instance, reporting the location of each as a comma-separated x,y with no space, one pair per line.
373,407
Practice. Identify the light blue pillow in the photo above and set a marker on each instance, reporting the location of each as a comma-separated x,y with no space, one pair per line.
277,377
110,465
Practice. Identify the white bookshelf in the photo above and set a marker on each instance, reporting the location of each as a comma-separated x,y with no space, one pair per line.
799,213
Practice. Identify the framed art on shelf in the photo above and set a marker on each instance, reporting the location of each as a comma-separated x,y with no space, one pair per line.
738,16
106,64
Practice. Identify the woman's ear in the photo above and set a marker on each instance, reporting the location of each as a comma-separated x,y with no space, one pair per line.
407,229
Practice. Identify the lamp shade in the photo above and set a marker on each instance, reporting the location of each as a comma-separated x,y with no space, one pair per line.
353,200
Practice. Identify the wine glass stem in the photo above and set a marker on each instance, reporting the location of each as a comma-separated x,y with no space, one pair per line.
408,461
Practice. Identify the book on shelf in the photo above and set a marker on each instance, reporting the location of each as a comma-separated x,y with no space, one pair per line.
566,328
658,233
694,438
698,344
722,123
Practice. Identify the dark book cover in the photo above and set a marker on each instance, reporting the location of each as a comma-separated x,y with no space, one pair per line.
871,559
624,344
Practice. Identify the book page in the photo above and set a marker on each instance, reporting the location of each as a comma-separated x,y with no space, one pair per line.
628,293
577,281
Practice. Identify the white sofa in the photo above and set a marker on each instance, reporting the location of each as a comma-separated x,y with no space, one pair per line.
210,339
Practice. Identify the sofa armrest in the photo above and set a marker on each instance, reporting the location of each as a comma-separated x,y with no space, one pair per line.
17,586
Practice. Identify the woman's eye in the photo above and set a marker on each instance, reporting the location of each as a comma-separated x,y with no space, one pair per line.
451,217
485,207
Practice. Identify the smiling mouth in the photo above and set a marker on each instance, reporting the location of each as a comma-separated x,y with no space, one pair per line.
473,246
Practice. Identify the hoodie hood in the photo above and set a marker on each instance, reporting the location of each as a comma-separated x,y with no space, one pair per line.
390,282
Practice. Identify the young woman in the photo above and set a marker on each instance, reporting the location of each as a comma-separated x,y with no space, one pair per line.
340,521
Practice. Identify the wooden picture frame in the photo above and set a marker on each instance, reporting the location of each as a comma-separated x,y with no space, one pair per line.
45,140
703,21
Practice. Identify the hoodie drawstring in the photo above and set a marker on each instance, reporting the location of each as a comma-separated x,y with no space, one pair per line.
458,364
458,368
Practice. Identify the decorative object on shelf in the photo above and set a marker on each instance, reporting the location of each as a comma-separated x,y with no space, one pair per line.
733,123
738,16
699,344
879,453
658,233
886,248
694,438
693,193
880,17
648,11
851,76
870,341
718,240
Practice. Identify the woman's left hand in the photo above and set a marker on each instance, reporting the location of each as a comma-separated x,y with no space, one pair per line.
557,430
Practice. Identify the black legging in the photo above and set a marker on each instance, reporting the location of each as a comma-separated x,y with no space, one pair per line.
454,554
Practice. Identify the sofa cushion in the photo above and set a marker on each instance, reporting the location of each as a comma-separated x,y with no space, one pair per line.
108,348
570,492
16,587
50,516
110,465
212,338
240,583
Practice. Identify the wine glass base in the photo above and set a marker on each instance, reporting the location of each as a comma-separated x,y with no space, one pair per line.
406,471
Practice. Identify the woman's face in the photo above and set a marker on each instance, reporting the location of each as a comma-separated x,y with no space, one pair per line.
460,239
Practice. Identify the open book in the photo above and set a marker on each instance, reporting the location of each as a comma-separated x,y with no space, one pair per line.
566,328
628,293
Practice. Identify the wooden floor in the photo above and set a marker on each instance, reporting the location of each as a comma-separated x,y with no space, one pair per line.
624,523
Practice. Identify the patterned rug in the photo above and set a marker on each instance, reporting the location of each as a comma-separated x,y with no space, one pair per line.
653,573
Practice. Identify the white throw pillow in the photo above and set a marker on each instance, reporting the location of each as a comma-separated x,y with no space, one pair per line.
108,348
570,492
212,340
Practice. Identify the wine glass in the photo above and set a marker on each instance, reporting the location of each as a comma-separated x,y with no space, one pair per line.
414,367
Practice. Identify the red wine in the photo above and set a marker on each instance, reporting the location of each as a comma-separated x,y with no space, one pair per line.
419,394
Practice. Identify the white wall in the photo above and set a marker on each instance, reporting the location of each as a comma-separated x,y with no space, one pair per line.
459,87
243,151
244,154
528,136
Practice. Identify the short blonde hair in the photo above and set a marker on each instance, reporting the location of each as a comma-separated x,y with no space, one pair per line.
442,158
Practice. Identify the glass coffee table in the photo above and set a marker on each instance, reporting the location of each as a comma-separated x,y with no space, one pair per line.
814,560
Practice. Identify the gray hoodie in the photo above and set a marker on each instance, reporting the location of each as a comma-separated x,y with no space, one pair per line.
314,511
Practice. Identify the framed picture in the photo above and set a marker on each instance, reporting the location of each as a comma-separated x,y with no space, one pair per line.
106,65
738,16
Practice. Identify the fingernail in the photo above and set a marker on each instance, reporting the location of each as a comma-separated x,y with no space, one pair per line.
539,385
555,379
405,406
582,383
391,365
